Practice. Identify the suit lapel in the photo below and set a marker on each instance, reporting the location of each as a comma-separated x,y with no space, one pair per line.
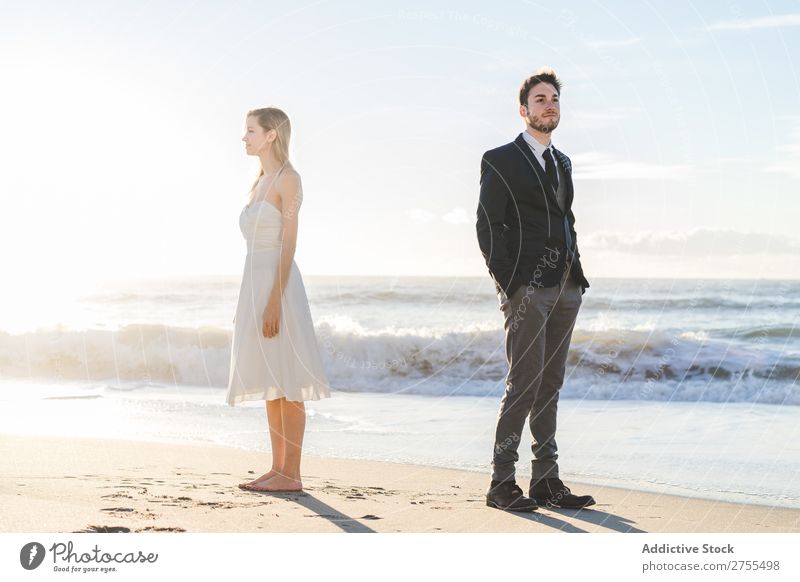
537,172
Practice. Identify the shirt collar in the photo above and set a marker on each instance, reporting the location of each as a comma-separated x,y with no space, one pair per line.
535,145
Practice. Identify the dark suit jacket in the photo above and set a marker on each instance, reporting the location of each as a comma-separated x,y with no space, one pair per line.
520,225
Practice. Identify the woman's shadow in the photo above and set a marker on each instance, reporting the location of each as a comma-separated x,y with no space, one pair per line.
322,509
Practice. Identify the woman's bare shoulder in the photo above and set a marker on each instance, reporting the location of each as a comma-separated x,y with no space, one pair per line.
290,190
289,182
289,175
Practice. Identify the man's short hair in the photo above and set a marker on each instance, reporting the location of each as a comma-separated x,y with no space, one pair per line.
542,75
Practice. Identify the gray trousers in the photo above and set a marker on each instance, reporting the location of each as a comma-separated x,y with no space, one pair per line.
538,323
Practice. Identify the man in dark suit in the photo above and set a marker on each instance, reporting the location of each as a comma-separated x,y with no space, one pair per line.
526,232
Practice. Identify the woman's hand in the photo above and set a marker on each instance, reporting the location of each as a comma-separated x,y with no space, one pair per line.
271,317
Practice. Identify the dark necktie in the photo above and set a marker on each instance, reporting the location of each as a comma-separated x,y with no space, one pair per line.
550,169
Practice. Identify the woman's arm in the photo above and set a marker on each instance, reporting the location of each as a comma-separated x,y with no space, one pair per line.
291,194
290,191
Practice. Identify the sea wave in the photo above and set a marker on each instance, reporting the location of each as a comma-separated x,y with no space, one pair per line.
607,364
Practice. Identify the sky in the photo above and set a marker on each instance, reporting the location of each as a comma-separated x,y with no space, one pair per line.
122,124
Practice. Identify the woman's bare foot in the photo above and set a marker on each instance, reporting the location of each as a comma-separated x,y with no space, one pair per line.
271,473
278,483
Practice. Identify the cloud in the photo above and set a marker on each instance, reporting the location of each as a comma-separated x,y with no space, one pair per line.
599,44
420,215
788,158
696,242
503,64
601,119
458,216
601,166
773,21
733,160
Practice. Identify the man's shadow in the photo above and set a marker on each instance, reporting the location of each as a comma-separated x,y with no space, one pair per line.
539,517
602,518
605,519
543,516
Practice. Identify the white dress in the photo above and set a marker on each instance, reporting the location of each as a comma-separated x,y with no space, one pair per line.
286,365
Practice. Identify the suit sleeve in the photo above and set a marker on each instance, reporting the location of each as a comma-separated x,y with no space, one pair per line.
494,199
571,215
584,283
573,233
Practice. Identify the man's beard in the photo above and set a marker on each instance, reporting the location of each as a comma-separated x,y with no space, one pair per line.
542,125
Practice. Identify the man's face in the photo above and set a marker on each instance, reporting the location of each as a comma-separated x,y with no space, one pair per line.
543,110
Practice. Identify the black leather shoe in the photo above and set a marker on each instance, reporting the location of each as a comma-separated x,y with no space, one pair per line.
553,493
508,495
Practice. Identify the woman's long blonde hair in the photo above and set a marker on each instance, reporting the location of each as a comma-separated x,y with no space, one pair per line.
273,118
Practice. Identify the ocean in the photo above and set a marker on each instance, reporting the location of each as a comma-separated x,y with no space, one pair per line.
687,386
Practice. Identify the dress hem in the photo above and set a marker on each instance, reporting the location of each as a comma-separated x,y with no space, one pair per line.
276,394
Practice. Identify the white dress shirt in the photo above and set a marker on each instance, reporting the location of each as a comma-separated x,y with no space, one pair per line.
538,152
538,149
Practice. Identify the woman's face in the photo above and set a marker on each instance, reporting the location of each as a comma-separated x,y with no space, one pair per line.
256,139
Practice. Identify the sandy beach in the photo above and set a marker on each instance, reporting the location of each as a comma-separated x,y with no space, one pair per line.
91,485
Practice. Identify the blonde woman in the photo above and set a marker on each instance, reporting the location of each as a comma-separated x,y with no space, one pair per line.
274,352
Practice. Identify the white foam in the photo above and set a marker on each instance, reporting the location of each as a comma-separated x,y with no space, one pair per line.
680,365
